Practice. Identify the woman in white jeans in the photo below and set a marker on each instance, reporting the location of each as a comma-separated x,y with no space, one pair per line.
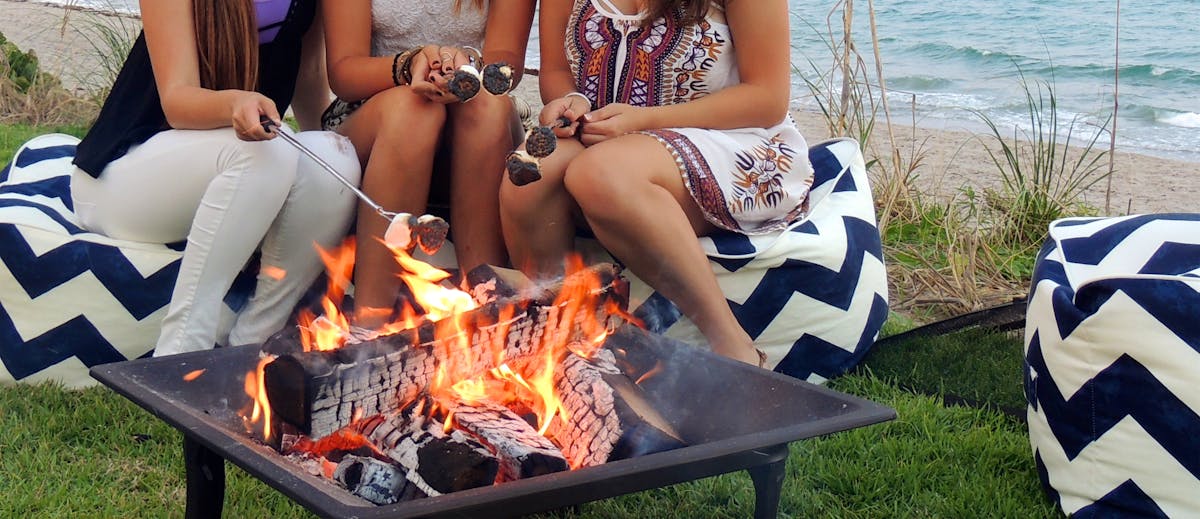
178,151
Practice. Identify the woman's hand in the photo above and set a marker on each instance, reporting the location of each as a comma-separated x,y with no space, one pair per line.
572,107
432,69
248,109
613,120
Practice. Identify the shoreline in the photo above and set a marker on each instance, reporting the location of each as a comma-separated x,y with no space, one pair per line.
954,156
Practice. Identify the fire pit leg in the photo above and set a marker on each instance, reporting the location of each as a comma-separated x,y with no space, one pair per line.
205,471
768,482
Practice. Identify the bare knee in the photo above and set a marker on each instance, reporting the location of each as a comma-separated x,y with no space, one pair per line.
403,110
488,113
600,184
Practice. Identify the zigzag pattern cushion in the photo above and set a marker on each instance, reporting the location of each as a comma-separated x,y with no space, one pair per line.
1112,365
813,297
71,299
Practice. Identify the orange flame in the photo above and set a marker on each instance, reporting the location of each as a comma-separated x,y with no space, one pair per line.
329,331
575,326
256,389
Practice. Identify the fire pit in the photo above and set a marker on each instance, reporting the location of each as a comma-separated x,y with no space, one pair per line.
732,416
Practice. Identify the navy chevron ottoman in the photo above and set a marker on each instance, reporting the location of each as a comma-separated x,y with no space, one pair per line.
1112,365
70,299
813,297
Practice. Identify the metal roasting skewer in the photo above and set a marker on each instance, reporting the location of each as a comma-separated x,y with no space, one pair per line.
404,229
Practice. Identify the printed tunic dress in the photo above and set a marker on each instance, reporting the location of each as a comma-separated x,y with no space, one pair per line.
748,180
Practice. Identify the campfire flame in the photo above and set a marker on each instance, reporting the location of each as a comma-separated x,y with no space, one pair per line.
529,385
260,410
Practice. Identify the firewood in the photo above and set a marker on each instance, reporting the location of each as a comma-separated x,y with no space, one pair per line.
490,283
607,416
321,392
376,481
436,461
522,451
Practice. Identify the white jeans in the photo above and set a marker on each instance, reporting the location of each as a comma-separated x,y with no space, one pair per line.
227,197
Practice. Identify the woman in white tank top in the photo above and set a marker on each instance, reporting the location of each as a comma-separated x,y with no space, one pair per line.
388,61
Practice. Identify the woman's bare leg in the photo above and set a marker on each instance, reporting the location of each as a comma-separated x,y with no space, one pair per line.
395,134
539,229
634,199
480,140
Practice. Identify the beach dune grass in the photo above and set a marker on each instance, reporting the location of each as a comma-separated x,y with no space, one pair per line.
1042,175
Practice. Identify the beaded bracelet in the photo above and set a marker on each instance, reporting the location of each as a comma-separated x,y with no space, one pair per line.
395,68
402,66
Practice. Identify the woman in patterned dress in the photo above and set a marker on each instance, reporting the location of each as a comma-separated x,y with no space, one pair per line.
388,63
672,137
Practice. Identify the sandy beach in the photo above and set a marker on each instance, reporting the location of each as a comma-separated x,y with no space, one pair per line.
65,41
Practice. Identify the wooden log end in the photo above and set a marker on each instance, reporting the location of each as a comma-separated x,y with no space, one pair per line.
376,481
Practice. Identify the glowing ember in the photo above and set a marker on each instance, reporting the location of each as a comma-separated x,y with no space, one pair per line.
193,375
344,440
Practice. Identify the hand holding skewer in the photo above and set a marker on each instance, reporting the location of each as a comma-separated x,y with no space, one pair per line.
404,230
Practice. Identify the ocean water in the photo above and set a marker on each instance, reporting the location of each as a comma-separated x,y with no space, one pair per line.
952,59
955,57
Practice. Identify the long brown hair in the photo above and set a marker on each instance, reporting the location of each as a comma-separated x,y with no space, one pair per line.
227,41
688,11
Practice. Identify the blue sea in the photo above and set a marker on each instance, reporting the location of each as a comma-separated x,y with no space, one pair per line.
954,58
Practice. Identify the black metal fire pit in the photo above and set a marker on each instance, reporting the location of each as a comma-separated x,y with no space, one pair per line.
733,416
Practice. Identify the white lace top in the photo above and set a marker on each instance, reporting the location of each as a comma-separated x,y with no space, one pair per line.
398,25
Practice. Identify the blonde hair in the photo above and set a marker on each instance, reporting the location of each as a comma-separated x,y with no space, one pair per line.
477,4
227,43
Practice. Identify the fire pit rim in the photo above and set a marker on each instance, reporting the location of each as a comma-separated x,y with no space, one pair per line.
634,474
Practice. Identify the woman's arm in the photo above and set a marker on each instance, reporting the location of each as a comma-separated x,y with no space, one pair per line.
760,31
312,84
353,73
171,41
555,79
507,33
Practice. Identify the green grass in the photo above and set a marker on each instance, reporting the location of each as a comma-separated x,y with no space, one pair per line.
13,135
974,364
92,453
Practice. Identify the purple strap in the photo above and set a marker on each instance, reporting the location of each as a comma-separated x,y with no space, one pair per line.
271,15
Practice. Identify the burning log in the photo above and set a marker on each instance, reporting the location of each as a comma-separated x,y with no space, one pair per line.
436,461
522,451
376,481
490,283
608,417
320,392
